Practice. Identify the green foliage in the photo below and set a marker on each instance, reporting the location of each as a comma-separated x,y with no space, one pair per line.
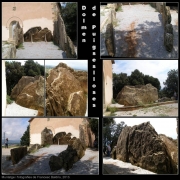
21,46
112,131
171,83
93,123
25,139
113,101
111,109
14,72
119,81
8,99
69,15
107,121
119,9
32,68
154,81
136,78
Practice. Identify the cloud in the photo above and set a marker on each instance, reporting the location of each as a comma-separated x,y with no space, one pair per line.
75,64
14,128
165,126
156,68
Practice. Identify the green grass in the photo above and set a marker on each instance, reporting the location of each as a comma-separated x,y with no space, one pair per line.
111,109
21,46
46,145
8,99
134,115
113,101
119,9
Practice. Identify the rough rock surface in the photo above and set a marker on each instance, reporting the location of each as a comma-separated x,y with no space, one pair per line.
137,95
85,134
8,50
82,76
32,96
141,146
17,154
18,34
62,138
38,34
24,81
65,96
67,158
172,147
46,137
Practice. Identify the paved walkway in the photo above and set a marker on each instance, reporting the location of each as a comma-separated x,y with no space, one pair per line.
40,50
37,163
138,32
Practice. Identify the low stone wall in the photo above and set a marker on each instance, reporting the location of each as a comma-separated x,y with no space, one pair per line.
17,154
8,50
109,34
168,28
60,37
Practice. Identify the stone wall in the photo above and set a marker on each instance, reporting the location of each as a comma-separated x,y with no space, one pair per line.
85,135
109,34
60,37
168,28
8,50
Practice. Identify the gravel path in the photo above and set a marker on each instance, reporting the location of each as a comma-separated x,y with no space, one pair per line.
38,163
161,110
37,50
17,110
139,32
122,168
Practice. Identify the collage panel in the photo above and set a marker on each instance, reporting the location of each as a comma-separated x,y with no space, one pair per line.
23,88
50,146
139,30
66,87
140,146
140,88
47,30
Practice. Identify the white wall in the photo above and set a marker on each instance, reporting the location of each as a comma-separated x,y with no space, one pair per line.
4,91
108,90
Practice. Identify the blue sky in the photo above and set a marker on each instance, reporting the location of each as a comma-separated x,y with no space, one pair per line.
14,128
156,68
75,64
165,126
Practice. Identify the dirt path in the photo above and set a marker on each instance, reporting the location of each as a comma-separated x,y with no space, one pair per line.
139,32
161,111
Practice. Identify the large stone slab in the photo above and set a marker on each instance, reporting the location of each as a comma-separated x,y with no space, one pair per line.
137,95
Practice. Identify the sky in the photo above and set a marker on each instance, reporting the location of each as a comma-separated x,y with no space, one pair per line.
75,64
14,128
156,68
165,126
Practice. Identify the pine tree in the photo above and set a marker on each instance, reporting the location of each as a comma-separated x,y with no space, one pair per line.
25,139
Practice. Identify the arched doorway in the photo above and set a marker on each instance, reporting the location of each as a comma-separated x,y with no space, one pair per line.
12,26
46,137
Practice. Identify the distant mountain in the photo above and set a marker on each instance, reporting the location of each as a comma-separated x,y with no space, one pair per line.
51,67
11,141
